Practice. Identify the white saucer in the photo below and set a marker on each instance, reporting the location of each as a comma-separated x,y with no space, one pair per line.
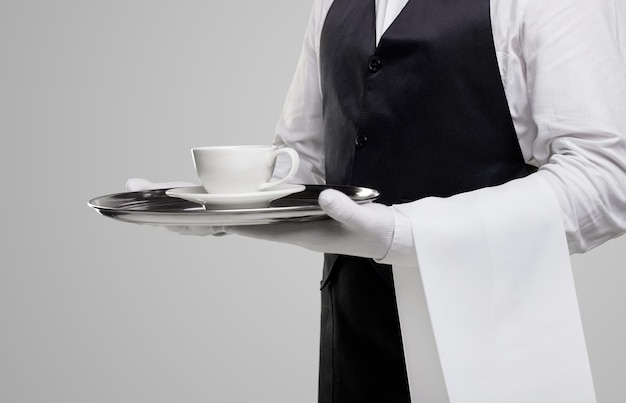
197,194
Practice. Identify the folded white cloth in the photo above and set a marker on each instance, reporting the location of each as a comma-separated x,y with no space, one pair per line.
495,289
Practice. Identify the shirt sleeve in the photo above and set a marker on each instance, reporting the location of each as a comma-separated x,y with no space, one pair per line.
300,125
576,79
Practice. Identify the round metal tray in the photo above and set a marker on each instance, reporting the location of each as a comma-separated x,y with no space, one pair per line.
154,207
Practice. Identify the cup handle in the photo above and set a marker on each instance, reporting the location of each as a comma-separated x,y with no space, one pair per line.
295,164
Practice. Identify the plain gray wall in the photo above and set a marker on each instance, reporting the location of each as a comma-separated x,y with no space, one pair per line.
95,310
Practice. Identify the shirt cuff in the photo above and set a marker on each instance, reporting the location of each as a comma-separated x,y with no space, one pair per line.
402,249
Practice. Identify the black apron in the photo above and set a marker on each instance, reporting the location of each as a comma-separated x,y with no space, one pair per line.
422,114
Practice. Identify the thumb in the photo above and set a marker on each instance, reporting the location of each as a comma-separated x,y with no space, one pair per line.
339,206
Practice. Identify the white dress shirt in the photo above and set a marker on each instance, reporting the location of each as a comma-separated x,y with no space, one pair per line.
485,292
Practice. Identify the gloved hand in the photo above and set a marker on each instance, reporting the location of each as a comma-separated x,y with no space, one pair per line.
138,184
356,230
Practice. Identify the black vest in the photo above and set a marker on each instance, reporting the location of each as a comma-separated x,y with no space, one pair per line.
422,114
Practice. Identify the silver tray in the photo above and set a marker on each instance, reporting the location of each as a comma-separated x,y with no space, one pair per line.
154,207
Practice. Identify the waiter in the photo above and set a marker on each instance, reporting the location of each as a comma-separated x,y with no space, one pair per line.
424,100
457,286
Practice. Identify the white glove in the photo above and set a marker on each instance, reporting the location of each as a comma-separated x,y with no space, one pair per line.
138,184
356,230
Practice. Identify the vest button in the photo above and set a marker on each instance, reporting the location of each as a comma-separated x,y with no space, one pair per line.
374,64
360,141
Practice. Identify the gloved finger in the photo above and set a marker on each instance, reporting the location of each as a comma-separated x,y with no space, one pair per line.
312,235
197,230
138,184
278,232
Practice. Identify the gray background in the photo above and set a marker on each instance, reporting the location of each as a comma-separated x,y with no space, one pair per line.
94,310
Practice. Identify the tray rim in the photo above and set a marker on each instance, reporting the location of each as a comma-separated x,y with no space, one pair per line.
196,214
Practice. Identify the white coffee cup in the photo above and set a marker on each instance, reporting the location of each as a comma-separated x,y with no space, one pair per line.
240,169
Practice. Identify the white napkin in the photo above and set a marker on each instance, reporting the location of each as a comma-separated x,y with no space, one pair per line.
498,296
